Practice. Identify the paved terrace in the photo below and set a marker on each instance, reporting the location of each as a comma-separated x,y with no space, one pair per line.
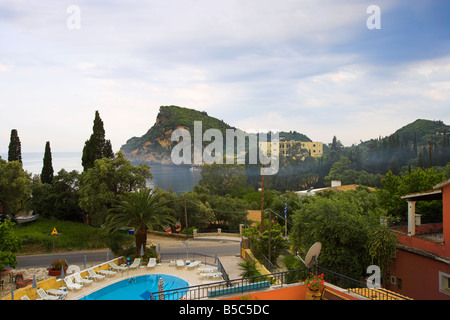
229,262
191,276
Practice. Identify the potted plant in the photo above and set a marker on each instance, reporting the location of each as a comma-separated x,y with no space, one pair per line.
56,266
314,284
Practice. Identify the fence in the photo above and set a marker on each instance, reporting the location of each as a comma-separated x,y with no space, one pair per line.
280,279
236,286
217,234
269,265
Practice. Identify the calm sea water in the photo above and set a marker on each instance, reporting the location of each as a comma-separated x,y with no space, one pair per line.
176,178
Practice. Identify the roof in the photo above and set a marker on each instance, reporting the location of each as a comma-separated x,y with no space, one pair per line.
434,194
337,188
379,294
424,195
345,188
442,184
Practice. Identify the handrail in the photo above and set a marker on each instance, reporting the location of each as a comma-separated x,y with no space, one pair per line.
242,285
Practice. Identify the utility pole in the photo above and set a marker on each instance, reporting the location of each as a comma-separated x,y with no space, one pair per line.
429,151
262,202
270,228
185,218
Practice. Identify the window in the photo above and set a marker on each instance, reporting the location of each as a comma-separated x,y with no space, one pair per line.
399,284
444,283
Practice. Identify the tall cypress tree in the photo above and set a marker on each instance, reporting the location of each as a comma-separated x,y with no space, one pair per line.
15,149
47,169
96,147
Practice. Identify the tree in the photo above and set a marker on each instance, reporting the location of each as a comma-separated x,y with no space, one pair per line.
198,209
341,171
223,179
395,186
248,269
229,212
345,224
142,210
15,186
101,185
96,147
47,168
15,150
59,199
260,241
381,246
9,244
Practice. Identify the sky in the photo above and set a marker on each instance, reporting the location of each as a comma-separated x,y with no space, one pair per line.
323,68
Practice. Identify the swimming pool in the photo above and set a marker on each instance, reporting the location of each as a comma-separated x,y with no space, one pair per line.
137,288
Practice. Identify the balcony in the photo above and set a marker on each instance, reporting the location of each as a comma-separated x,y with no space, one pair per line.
431,232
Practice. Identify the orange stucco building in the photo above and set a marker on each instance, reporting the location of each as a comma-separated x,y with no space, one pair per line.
421,268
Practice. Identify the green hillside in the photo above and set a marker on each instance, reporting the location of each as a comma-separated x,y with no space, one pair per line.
170,118
423,130
156,145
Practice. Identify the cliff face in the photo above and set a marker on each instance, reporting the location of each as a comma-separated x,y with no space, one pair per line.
155,146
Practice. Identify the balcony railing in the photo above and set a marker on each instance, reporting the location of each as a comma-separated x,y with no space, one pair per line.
278,280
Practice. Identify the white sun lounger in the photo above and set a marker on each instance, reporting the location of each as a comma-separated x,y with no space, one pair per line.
57,292
45,296
207,269
151,263
94,275
193,265
180,263
136,263
117,267
72,286
80,280
107,273
213,275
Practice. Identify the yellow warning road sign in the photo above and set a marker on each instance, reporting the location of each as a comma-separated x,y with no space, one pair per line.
54,231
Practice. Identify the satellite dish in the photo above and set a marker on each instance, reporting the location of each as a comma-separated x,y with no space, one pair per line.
312,256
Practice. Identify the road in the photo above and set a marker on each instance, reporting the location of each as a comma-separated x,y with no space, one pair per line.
210,248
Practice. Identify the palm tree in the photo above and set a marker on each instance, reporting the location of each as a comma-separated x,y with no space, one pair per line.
143,210
248,269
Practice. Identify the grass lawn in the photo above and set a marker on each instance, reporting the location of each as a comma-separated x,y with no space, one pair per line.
36,237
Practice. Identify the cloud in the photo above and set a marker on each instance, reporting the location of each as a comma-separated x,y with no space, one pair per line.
309,66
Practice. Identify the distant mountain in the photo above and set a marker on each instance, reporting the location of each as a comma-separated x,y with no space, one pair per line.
155,146
293,136
415,144
420,131
423,130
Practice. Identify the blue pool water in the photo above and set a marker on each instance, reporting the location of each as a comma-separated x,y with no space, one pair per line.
138,288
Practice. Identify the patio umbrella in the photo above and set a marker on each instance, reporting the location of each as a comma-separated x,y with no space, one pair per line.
34,282
107,254
62,273
12,292
85,261
142,250
161,289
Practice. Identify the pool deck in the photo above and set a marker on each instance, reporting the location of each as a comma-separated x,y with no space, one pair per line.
191,276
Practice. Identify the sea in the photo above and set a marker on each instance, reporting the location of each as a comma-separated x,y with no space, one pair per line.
173,178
